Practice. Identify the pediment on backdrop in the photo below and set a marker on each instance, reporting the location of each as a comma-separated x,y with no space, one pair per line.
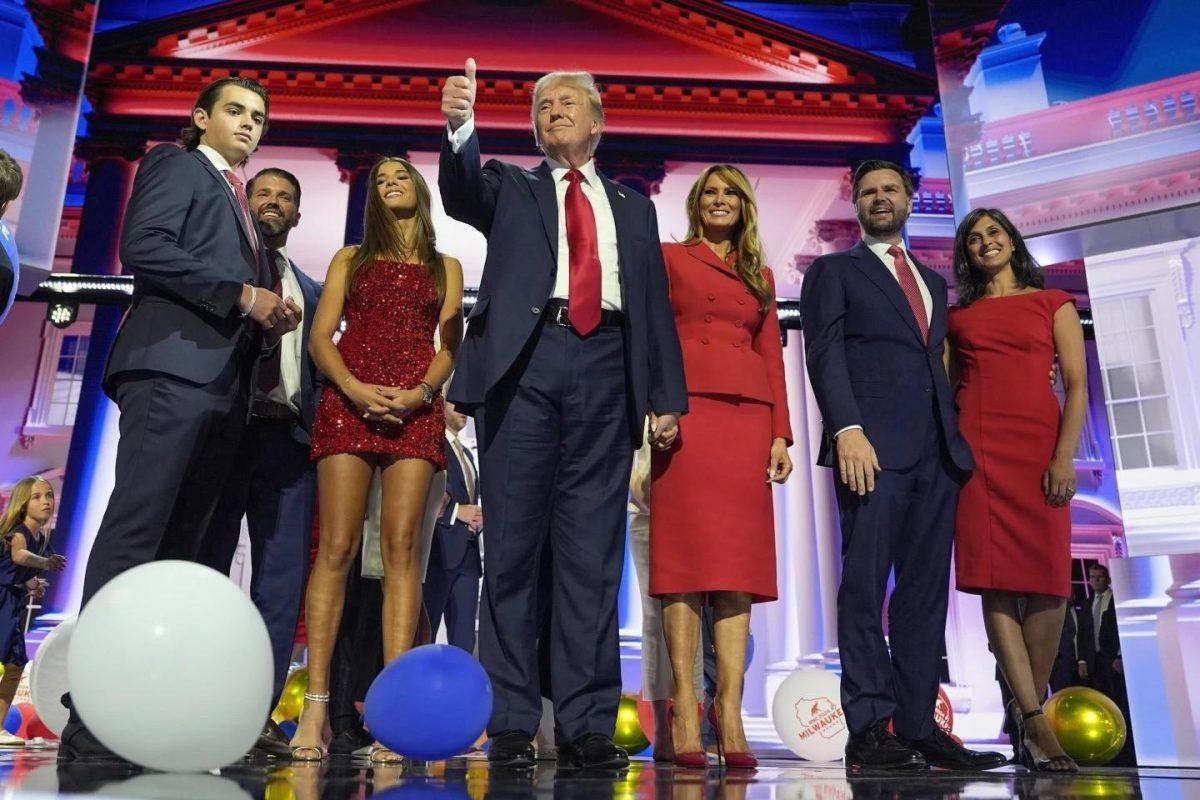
685,68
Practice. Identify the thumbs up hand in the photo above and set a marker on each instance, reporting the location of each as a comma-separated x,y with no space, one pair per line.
458,96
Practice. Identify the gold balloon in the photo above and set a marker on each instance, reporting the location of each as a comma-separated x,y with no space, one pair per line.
291,700
629,728
1089,726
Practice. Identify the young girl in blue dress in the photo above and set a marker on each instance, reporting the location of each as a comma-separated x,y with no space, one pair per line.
24,554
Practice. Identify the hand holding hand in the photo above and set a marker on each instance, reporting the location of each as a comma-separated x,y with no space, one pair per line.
780,466
268,308
458,96
857,462
292,317
664,428
1058,481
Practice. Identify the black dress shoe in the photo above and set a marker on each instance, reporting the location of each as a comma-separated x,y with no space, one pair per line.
512,749
592,751
349,742
78,744
942,751
272,742
877,749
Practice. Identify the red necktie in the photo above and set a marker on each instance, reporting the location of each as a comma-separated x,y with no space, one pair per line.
239,192
268,367
583,293
908,285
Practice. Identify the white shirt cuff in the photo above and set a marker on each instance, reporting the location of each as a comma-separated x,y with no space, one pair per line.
848,428
459,137
454,513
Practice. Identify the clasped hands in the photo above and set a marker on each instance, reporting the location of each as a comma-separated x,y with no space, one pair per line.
383,403
274,314
37,587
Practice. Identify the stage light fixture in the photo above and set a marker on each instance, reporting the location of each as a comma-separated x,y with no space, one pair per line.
62,313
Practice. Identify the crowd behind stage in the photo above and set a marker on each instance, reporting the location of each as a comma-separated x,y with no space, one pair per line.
615,384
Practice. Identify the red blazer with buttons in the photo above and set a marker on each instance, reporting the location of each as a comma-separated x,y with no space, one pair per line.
729,346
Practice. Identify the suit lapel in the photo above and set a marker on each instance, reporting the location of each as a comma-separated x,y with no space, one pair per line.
541,183
870,265
619,205
228,190
703,253
937,313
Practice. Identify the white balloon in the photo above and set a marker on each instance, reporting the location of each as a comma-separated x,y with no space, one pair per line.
175,787
807,712
48,676
170,667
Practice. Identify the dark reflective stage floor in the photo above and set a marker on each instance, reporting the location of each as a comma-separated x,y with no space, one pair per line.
29,774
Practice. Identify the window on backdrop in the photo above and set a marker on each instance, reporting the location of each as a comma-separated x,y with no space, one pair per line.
1139,413
59,380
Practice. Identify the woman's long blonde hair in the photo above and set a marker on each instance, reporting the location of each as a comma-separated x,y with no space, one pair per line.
18,506
749,265
382,237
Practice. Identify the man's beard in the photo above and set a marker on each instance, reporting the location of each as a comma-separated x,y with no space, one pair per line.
273,227
881,230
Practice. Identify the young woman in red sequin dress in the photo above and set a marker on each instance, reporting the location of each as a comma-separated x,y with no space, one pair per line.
381,407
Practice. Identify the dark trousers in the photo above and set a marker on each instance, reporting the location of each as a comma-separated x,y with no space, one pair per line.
453,592
357,651
177,444
906,524
272,483
556,450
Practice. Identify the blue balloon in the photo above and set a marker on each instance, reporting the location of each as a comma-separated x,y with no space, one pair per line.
288,726
430,704
749,650
12,720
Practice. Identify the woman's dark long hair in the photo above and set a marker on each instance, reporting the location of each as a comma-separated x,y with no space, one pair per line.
972,283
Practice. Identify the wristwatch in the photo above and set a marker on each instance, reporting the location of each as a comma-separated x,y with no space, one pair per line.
426,393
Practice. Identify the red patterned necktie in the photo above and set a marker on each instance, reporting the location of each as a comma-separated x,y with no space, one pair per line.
239,193
583,294
908,285
268,367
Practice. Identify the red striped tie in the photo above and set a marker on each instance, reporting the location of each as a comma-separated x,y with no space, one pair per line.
908,285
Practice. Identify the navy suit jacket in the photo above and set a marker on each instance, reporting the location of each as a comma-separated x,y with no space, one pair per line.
310,378
451,535
517,210
189,254
867,361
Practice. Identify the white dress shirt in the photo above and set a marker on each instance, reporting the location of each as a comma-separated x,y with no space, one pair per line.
291,344
880,249
217,160
606,227
470,475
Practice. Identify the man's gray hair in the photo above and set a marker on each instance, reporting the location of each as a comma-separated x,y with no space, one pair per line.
582,81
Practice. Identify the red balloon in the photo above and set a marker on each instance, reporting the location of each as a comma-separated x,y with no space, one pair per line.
32,725
646,715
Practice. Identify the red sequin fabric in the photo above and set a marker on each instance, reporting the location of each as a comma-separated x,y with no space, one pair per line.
391,315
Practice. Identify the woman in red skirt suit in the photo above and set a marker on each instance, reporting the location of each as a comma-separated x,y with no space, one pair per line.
381,407
1013,530
712,521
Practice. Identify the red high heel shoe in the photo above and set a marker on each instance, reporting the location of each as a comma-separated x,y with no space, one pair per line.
695,760
730,760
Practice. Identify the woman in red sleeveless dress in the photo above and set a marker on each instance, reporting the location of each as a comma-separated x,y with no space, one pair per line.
1013,529
712,519
381,407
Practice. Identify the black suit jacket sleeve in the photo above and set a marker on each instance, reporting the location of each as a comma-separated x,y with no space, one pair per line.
154,219
823,309
469,191
668,386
